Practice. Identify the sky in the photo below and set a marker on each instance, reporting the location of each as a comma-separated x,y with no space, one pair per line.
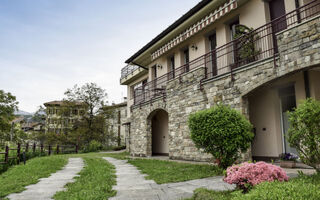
48,46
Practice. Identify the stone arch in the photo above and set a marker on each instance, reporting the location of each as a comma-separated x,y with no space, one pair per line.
157,129
268,101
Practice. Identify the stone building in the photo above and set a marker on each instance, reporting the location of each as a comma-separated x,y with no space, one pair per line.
116,123
61,116
204,58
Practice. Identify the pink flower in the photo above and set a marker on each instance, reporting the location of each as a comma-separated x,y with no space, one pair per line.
254,173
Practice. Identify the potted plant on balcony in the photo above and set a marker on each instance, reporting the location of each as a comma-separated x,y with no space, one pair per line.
288,160
245,47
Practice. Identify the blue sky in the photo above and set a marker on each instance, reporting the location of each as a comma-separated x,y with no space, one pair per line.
47,46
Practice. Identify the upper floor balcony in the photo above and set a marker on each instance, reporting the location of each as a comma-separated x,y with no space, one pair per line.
130,72
246,49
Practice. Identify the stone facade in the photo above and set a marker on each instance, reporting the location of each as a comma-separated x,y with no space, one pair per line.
118,116
299,49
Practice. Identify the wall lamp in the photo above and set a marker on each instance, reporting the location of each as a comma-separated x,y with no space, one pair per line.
194,47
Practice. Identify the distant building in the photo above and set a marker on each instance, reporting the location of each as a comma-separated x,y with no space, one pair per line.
116,123
61,116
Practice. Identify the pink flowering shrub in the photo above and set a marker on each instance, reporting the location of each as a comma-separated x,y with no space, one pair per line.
246,175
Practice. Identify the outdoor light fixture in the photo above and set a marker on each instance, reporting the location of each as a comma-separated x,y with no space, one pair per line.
159,66
194,47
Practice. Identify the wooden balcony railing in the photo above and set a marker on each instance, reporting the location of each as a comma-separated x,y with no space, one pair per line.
255,45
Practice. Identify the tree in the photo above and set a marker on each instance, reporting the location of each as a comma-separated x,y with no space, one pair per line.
222,132
92,124
8,105
304,132
39,115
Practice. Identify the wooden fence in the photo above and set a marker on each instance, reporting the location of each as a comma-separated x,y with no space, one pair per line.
21,151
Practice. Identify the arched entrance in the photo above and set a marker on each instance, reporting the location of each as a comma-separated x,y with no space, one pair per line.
159,132
268,107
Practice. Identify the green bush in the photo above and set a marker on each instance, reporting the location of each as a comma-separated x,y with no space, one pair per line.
221,131
301,188
93,146
118,148
304,132
304,187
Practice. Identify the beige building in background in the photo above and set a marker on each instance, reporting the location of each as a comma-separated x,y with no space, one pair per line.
61,116
198,62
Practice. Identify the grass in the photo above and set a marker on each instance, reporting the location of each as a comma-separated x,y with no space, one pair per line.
95,181
98,176
204,194
300,188
169,171
16,178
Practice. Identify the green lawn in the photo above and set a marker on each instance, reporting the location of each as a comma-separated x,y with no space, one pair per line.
98,176
169,171
17,177
301,188
95,181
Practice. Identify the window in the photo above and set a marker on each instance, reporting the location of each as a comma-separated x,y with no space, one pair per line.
154,72
171,67
233,29
75,111
186,59
138,85
234,47
212,58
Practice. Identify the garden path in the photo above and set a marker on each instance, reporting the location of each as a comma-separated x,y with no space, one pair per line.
47,187
132,185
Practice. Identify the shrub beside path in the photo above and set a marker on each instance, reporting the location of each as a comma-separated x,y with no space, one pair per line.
131,184
47,187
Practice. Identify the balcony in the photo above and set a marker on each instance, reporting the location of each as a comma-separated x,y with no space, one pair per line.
130,72
249,48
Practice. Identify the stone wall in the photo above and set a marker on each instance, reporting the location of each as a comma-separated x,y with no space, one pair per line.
299,49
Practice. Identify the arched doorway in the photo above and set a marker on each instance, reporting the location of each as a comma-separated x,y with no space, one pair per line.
159,132
268,107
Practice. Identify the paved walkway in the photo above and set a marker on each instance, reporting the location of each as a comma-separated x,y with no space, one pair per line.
47,187
131,185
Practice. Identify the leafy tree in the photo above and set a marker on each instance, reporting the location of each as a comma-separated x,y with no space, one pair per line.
92,125
39,115
8,105
222,132
304,132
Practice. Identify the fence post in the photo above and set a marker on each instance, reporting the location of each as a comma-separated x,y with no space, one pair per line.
57,149
34,147
27,147
41,148
6,156
18,152
49,150
76,148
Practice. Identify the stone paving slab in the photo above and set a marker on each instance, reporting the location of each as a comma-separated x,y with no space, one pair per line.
132,185
47,187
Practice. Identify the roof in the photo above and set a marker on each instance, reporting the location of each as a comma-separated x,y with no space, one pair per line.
59,103
183,18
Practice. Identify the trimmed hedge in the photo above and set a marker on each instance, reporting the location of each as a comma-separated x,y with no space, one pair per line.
222,132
